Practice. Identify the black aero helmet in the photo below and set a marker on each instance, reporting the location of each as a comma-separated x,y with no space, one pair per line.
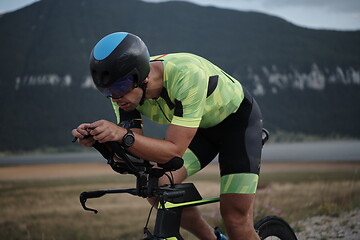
119,62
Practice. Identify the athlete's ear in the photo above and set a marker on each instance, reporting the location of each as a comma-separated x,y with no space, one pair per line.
146,79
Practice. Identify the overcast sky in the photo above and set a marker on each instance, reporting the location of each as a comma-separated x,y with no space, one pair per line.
319,14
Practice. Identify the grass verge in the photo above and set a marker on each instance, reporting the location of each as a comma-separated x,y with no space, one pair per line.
48,208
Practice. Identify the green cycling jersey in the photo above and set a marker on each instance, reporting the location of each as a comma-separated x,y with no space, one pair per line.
196,93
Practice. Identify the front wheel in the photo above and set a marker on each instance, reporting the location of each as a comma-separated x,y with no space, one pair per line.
272,228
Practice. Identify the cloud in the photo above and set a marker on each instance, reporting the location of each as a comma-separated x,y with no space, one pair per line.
322,14
330,5
351,6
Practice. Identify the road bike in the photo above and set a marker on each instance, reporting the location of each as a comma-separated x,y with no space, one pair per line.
172,198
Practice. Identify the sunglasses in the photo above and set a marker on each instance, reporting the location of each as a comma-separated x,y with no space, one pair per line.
119,88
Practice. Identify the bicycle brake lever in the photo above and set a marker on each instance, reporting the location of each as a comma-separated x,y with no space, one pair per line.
86,208
85,195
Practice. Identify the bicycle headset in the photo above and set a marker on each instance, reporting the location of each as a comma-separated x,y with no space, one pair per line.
119,62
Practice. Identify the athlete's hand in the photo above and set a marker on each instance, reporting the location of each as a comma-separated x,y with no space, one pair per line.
105,131
82,133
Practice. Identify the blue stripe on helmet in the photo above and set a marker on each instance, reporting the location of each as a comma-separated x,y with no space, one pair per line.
108,44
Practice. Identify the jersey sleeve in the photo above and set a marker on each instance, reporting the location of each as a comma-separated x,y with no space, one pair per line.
189,93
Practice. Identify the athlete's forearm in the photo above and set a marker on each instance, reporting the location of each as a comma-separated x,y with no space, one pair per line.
151,149
177,140
139,131
156,150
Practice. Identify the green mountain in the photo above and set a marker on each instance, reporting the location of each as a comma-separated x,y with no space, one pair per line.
306,81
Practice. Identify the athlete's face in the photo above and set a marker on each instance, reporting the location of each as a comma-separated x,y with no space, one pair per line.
129,101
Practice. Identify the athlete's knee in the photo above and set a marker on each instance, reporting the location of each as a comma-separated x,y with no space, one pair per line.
237,208
237,213
235,217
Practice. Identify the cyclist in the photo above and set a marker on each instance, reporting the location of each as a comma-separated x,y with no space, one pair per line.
208,112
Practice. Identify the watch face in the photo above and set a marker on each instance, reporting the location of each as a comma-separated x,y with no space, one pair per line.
129,140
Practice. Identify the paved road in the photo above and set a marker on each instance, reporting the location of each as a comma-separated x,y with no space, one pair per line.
287,152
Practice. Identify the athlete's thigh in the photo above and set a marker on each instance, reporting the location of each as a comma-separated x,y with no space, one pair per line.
200,152
241,150
240,154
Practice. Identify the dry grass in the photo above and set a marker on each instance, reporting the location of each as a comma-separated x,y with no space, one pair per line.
42,202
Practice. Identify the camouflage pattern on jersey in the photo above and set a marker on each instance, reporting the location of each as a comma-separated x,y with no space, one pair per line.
186,79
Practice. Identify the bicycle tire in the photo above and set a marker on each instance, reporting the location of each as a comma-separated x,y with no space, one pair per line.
273,227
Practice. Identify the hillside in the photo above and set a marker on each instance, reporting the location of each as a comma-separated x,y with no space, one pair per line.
306,81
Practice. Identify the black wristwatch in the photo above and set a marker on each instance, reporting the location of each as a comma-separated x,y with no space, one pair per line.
128,139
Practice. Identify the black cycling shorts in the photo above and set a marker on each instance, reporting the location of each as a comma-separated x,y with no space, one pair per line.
238,141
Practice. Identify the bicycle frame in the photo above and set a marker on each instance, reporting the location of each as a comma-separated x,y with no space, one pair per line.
169,213
173,198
